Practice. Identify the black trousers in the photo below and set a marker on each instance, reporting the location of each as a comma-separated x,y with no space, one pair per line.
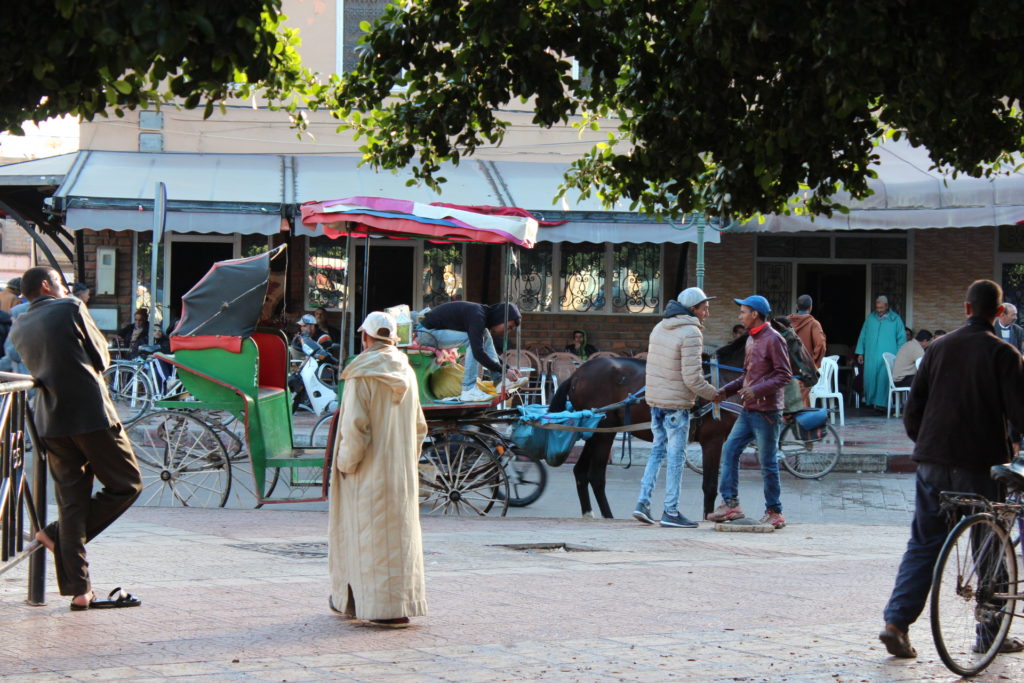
75,461
927,534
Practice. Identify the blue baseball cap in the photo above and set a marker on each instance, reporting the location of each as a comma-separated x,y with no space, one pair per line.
758,303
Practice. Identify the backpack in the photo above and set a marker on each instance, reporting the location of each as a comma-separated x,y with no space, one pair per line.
800,359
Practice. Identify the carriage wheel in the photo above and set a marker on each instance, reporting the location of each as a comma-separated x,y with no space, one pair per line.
460,475
527,477
243,483
130,390
810,459
182,459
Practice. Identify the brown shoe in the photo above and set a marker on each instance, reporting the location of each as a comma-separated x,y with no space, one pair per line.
897,642
400,622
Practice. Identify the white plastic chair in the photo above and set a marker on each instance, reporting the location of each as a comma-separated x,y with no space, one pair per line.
827,388
894,391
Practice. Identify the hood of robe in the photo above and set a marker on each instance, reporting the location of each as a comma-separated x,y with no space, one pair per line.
383,363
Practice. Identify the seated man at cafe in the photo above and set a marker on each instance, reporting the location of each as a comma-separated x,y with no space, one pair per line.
905,364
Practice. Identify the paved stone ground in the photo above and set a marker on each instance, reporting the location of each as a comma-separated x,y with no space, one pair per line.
241,595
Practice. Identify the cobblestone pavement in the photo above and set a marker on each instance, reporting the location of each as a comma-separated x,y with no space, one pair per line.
241,595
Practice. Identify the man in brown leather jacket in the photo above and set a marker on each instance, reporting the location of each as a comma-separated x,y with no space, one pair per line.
66,353
766,372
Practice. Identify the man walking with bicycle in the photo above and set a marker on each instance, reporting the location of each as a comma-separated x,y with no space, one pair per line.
969,385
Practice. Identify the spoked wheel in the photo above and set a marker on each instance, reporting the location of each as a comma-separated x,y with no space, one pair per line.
810,459
318,436
130,390
526,476
970,611
695,457
243,484
460,475
182,459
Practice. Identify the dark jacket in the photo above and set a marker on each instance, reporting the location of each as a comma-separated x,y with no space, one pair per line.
65,351
1016,335
969,383
473,319
766,370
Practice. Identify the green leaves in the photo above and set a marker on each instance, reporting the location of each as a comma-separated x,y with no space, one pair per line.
87,56
723,108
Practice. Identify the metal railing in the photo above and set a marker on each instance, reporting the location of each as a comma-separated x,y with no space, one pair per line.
22,508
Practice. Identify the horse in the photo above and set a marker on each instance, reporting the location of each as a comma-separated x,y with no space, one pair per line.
604,382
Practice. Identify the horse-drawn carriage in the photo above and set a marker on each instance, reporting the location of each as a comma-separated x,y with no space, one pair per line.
232,431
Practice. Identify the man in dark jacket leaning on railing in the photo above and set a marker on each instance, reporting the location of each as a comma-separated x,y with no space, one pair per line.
66,353
766,372
969,384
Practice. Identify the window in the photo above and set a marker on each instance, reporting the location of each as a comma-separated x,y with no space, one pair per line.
582,271
588,276
531,278
442,274
326,273
636,284
350,14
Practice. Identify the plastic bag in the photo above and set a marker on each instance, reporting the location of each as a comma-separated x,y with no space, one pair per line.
446,381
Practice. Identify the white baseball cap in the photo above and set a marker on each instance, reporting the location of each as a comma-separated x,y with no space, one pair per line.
377,321
307,320
693,296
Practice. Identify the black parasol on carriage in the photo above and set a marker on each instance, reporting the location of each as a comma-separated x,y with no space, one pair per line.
225,306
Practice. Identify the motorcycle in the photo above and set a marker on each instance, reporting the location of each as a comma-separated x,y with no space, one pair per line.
314,385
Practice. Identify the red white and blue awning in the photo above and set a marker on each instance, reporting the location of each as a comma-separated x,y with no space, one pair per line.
361,216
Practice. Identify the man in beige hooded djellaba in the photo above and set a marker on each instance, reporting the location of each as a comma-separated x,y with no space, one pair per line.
375,545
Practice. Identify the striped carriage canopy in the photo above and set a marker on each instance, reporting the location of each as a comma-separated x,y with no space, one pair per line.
361,216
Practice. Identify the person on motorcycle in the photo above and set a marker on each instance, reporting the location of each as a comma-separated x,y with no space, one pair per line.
308,330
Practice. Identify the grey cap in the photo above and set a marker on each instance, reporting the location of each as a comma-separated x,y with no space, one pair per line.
693,296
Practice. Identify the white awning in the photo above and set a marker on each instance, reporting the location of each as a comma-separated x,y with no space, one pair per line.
907,195
45,171
210,193
253,193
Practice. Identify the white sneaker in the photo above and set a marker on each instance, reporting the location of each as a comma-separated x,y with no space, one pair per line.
475,395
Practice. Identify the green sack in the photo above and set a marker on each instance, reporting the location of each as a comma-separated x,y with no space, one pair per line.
446,381
792,398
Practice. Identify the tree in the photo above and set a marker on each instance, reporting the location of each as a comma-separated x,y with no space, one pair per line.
731,108
87,57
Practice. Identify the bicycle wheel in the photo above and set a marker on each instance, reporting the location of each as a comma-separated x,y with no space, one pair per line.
130,390
527,477
182,459
810,459
970,609
695,457
318,435
458,474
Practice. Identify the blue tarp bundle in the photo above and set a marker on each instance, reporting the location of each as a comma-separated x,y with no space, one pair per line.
551,445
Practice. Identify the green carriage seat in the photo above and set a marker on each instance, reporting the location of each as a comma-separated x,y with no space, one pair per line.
252,385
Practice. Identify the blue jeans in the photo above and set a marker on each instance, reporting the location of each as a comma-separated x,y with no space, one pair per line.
670,428
763,427
453,339
928,532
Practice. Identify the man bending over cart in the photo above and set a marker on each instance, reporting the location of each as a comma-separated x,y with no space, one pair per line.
464,323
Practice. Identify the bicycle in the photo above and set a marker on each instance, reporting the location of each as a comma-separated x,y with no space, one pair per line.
134,384
975,589
804,453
